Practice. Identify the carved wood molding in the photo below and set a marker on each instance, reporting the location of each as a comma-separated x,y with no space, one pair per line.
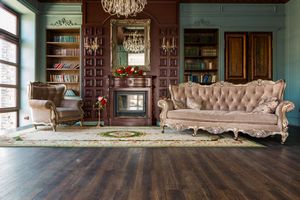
64,22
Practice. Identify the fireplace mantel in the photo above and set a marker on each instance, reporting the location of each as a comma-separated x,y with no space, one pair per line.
116,82
130,86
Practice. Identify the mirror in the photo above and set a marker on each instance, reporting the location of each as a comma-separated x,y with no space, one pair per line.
130,43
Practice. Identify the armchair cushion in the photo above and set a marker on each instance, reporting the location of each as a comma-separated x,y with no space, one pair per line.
65,112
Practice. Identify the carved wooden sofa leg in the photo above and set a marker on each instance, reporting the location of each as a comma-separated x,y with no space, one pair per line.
284,136
236,134
195,132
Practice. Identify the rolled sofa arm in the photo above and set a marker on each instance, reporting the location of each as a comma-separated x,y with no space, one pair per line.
166,106
281,110
40,104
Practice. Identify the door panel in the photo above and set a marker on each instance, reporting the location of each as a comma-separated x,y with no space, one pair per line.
235,57
261,55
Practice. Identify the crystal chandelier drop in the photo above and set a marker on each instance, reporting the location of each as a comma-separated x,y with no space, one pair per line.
123,7
134,43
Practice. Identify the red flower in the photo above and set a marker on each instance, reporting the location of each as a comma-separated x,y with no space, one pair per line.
101,102
128,69
119,71
140,73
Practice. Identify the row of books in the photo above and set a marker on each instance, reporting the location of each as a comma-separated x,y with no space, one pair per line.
66,38
208,52
204,38
69,78
197,51
67,52
66,66
198,65
201,78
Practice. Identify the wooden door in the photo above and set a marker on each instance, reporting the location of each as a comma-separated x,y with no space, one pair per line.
235,57
260,56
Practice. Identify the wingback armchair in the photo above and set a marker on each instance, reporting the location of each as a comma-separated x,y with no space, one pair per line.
48,106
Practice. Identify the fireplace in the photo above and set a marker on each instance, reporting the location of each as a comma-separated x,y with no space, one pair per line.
130,101
130,104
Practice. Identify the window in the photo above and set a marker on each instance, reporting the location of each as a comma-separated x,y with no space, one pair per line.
9,48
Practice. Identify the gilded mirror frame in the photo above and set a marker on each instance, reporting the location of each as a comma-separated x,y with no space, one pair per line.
114,24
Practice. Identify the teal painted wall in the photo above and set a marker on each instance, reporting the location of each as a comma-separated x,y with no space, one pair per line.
292,61
236,17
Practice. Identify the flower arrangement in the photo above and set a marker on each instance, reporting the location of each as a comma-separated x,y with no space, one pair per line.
128,71
101,102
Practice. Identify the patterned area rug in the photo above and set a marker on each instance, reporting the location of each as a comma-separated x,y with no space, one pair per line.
114,136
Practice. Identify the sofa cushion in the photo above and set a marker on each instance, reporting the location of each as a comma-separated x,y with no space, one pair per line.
64,112
193,103
267,105
223,116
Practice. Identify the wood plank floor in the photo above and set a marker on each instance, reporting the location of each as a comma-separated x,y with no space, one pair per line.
153,173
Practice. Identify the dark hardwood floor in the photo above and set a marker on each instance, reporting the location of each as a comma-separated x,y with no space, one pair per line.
153,173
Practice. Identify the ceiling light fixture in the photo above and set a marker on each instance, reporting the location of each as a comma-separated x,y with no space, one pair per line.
123,7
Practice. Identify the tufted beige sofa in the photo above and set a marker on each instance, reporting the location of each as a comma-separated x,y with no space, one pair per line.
48,106
256,108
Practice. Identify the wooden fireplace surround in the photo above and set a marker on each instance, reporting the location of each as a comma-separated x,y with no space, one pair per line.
130,84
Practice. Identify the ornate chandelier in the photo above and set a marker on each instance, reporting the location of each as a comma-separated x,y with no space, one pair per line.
123,7
134,43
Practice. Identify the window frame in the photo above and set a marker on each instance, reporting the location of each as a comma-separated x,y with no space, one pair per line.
15,39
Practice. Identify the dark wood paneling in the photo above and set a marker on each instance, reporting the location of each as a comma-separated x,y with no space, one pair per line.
248,56
261,55
235,57
164,66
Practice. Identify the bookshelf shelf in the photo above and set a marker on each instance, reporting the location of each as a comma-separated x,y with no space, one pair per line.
51,69
57,82
63,58
201,55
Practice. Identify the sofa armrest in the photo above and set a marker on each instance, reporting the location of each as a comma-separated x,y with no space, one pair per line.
281,110
40,104
71,103
166,106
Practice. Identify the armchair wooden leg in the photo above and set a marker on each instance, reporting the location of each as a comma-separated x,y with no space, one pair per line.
163,129
35,126
54,127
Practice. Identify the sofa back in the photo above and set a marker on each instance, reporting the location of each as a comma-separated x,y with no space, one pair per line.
225,96
43,91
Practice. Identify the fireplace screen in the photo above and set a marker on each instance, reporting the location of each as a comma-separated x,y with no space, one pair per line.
130,103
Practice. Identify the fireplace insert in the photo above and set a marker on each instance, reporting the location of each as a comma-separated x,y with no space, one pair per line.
130,104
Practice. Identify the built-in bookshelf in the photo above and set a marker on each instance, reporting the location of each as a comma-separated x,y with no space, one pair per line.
201,55
63,58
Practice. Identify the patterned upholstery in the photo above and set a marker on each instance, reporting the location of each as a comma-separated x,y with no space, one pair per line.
256,108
